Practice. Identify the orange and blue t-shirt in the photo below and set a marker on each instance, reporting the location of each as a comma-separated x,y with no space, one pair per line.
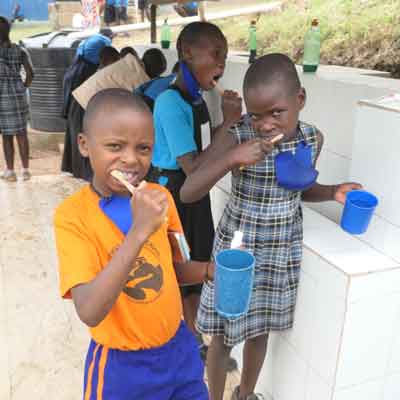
148,311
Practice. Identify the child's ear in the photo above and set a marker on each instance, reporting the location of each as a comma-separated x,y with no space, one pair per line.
83,145
187,54
301,97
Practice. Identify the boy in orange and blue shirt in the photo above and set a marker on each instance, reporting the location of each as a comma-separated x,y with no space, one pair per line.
116,264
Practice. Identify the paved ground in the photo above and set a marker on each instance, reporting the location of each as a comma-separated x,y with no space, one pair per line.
42,344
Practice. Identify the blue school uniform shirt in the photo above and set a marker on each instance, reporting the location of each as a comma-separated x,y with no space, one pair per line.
174,130
156,86
90,49
191,5
117,3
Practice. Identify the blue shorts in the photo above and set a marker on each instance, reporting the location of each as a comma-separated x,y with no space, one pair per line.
173,371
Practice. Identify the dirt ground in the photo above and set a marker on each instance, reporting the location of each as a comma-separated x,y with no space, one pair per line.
45,156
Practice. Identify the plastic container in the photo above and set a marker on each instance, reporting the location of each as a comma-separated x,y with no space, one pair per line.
51,55
312,47
233,282
252,42
165,35
358,210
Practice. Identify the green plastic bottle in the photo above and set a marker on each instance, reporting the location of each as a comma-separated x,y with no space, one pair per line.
312,47
165,35
252,42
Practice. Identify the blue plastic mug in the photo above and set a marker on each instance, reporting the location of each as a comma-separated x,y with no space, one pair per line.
233,282
358,210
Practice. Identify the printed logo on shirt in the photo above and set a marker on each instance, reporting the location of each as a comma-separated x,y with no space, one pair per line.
146,279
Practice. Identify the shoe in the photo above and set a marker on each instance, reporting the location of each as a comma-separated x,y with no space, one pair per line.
251,396
9,176
26,175
232,365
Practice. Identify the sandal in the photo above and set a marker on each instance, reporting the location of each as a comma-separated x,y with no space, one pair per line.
9,176
251,396
26,175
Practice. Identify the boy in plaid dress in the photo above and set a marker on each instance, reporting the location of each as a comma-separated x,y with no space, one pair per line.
268,214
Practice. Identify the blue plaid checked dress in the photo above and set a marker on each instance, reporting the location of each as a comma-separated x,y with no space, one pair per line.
14,108
271,219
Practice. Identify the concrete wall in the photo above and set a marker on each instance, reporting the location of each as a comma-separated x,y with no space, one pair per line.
345,341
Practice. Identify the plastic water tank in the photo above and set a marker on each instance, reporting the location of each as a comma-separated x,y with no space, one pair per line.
51,54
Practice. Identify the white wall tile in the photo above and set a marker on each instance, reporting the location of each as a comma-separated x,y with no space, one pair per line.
312,219
367,340
317,388
391,389
326,334
299,335
330,238
374,159
383,236
374,285
218,201
266,381
337,129
393,365
366,391
329,278
225,183
289,374
333,168
360,260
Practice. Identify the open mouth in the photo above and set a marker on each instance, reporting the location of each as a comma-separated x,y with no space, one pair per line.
130,176
216,78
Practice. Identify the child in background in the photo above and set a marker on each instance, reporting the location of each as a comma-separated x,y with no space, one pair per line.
128,50
116,264
14,109
154,62
85,64
108,55
268,213
149,91
182,130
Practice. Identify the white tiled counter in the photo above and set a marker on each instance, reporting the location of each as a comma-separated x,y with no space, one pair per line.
345,343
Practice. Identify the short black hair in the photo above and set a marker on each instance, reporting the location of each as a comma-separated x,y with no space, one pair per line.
107,32
5,28
108,55
154,62
271,69
193,33
128,50
108,100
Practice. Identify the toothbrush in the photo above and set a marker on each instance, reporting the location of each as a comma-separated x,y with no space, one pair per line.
120,176
272,141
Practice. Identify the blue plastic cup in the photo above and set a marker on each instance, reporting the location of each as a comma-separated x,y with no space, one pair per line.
358,210
233,282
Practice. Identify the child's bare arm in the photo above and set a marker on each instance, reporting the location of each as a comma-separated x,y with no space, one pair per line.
214,167
231,106
319,193
27,63
94,300
193,272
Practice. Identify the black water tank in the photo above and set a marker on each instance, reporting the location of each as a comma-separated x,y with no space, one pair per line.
51,55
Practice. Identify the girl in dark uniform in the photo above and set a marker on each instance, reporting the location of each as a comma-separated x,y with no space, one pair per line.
183,131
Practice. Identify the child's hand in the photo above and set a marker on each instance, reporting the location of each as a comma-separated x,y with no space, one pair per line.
231,107
210,271
150,208
251,152
340,191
